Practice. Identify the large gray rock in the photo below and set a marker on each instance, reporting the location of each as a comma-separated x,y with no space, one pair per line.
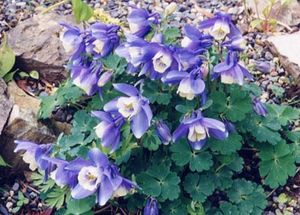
22,124
287,48
36,43
288,14
5,105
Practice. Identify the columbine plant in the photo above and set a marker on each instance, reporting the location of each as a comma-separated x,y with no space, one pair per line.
171,112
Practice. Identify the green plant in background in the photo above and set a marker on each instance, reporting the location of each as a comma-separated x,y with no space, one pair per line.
267,23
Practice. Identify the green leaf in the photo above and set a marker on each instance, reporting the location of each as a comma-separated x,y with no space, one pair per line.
264,129
7,58
284,114
255,23
227,146
34,74
156,92
198,186
195,208
232,161
222,178
171,35
228,208
79,207
158,181
115,63
150,140
247,196
186,107
2,162
278,91
56,197
182,154
66,94
81,10
235,106
294,137
174,208
277,163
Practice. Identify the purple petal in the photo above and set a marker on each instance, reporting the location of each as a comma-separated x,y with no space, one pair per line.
98,157
105,191
102,116
127,89
180,131
78,192
78,164
198,145
198,86
111,105
140,123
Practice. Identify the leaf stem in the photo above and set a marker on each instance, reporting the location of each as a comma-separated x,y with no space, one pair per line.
54,6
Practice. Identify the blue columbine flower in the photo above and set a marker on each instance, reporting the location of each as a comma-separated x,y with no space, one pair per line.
72,39
34,155
103,39
109,129
151,207
195,41
236,43
163,132
198,128
220,26
135,108
134,50
87,78
98,175
190,83
154,58
230,71
60,174
140,21
187,59
259,107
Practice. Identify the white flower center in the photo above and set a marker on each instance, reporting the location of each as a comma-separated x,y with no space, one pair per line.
185,90
100,129
89,177
98,46
121,191
29,158
161,62
128,106
196,133
135,53
186,42
220,30
134,27
227,79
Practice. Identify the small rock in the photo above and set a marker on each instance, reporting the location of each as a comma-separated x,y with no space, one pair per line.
274,74
9,205
16,186
11,193
268,55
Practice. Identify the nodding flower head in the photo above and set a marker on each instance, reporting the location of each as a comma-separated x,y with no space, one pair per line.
220,26
231,71
103,38
133,107
259,107
198,129
151,207
163,132
140,21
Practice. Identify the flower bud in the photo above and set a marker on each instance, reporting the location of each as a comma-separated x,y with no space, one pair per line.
104,78
259,107
163,132
171,8
151,207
